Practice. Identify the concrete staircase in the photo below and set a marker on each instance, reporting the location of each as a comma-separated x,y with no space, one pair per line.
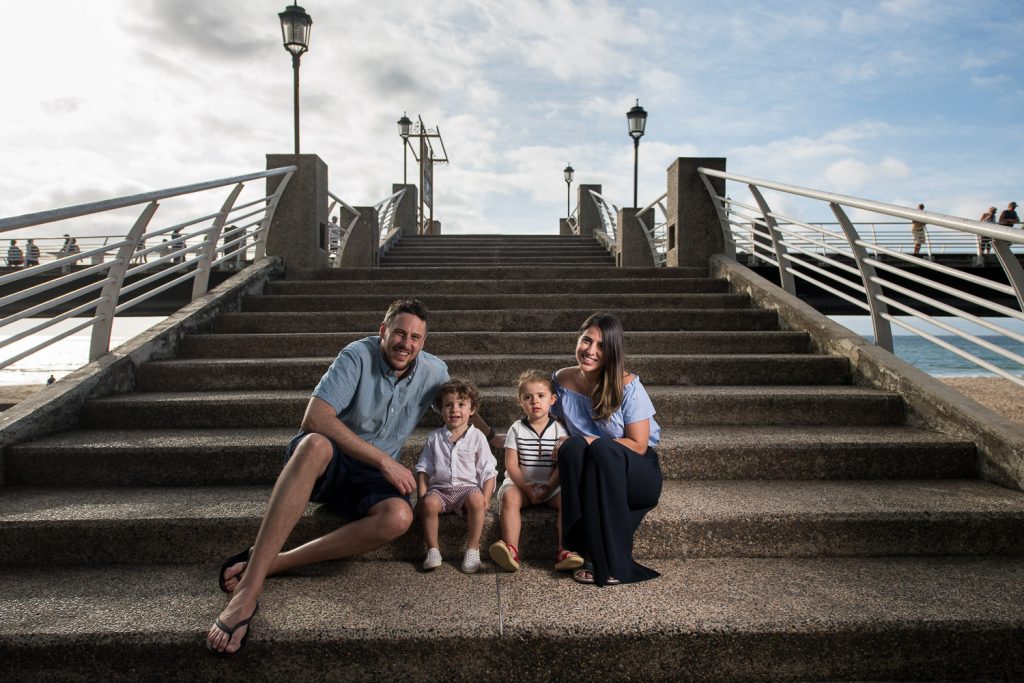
804,532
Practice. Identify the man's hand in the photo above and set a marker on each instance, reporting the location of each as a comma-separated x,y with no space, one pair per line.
398,476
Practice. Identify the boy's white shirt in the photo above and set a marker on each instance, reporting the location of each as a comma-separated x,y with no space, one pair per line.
467,462
533,475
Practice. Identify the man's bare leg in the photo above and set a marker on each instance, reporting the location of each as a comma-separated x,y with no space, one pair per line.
287,503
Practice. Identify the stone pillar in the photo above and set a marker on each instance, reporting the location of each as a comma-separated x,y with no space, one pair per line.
588,216
694,232
361,247
435,228
563,227
298,233
631,246
406,217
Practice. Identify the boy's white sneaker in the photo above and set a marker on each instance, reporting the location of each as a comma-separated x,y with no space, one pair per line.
471,562
433,559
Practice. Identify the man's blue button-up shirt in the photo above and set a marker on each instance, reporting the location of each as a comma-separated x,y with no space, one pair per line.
380,408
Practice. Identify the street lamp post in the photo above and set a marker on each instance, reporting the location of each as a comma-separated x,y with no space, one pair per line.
637,119
568,171
295,30
404,124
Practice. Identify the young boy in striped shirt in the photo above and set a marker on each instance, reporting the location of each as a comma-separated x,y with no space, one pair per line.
531,477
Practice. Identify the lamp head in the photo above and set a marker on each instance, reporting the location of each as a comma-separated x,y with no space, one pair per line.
637,118
568,173
295,29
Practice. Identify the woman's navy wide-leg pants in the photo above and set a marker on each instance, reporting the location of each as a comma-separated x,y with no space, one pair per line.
606,491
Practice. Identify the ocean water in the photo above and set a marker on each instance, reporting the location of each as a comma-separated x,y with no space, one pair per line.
939,362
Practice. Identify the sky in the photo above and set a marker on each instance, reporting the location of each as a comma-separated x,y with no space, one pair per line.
901,101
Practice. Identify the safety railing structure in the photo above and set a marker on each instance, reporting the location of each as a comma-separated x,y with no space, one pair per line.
657,232
573,221
608,213
867,274
338,232
124,265
387,212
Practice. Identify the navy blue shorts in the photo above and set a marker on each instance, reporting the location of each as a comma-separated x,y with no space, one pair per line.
348,486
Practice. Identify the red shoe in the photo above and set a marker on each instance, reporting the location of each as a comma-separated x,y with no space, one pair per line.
566,560
505,555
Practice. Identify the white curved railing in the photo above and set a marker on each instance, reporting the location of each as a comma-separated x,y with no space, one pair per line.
189,249
338,233
608,213
657,231
862,270
387,210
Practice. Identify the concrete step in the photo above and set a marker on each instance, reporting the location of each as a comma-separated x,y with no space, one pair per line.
541,286
435,272
707,620
498,370
758,405
415,261
295,345
213,457
501,253
693,519
516,320
483,302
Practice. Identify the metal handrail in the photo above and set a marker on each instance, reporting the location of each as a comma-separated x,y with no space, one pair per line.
111,261
805,250
657,232
336,241
605,234
387,212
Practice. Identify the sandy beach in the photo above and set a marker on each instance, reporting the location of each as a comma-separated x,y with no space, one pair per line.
1000,395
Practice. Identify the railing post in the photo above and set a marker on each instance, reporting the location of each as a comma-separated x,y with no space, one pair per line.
204,258
722,211
589,216
100,342
778,243
877,308
632,245
298,232
405,216
1012,268
360,242
691,219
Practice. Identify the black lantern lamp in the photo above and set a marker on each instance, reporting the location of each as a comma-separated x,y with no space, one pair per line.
295,30
568,171
637,119
404,124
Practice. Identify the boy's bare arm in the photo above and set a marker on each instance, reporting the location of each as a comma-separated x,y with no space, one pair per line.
512,470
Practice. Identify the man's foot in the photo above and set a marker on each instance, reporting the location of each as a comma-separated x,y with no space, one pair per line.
433,559
230,631
505,555
231,571
471,562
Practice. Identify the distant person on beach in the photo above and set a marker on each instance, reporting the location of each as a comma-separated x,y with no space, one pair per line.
917,232
50,380
1009,218
346,455
31,254
985,243
15,258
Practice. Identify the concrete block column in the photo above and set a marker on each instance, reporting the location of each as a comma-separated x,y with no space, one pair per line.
298,233
361,247
563,227
406,217
631,246
588,215
694,233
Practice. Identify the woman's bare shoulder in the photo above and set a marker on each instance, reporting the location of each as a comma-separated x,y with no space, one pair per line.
566,377
627,378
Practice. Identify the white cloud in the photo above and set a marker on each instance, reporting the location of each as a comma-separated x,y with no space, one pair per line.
852,174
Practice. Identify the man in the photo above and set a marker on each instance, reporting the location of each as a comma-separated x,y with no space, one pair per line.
15,258
917,232
985,243
31,254
1008,218
346,455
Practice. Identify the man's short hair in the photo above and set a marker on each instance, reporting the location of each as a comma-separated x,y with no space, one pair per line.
462,388
411,306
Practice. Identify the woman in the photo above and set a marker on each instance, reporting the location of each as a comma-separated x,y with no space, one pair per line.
608,467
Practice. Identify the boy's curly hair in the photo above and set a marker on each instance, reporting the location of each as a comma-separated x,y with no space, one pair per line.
462,388
531,376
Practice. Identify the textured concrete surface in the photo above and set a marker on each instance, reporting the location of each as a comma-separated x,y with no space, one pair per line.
703,620
532,286
492,273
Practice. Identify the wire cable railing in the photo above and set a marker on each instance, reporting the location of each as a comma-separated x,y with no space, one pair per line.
872,272
94,279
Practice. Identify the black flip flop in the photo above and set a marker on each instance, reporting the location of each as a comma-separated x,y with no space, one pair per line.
233,560
230,631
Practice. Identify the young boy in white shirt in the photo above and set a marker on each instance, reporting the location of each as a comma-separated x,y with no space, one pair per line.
456,473
531,477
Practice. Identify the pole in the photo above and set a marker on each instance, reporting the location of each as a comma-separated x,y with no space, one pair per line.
295,91
405,161
568,198
636,157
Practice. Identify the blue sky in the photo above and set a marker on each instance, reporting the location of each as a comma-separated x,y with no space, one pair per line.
897,100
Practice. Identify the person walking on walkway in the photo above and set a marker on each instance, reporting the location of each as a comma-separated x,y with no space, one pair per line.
917,232
985,243
608,467
31,254
15,258
1009,218
346,456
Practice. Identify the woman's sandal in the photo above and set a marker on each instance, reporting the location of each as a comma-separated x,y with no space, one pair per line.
230,562
585,574
230,631
567,559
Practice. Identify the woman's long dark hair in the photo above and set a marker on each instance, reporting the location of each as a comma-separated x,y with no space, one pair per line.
607,394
